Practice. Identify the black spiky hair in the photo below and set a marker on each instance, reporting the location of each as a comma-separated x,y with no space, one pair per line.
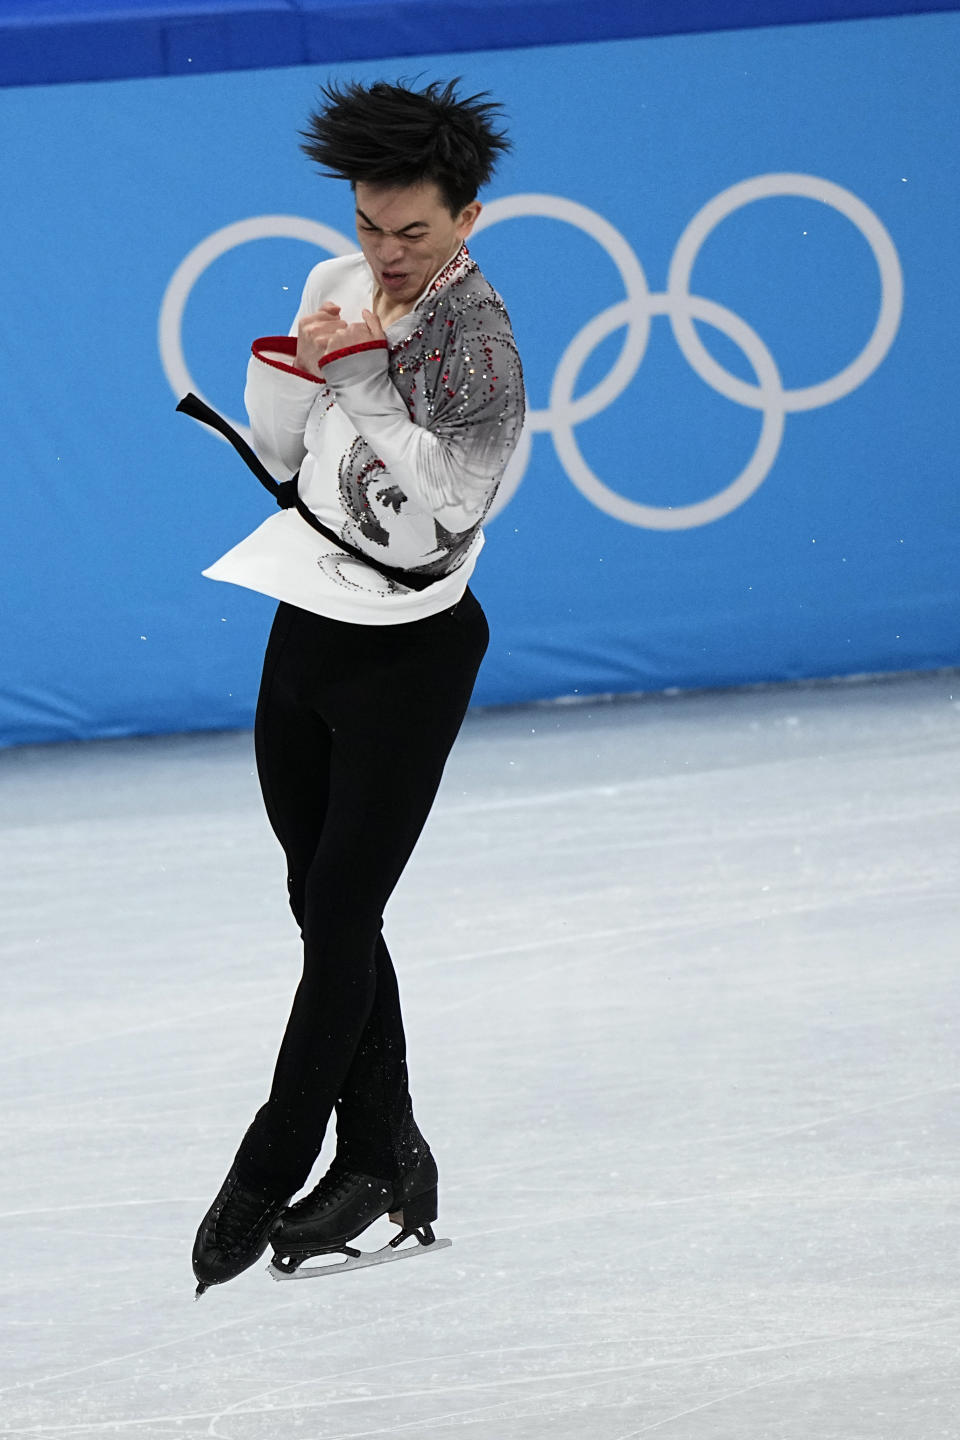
385,134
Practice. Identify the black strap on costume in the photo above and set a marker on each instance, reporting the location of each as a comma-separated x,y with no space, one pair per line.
287,495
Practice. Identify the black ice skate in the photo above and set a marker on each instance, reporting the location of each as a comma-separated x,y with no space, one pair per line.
234,1232
345,1203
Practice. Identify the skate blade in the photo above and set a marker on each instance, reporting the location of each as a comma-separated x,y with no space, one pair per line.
356,1261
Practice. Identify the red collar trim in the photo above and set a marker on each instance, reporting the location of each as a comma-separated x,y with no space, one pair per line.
453,270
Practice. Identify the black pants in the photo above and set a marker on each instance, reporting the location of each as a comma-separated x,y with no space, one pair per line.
354,725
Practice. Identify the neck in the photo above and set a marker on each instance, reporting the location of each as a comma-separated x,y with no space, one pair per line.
387,310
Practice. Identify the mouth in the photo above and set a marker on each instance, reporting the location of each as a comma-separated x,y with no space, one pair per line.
393,279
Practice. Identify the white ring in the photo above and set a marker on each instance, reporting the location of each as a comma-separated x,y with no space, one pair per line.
673,517
192,266
808,397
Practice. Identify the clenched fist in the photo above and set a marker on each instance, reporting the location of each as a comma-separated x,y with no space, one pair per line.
325,331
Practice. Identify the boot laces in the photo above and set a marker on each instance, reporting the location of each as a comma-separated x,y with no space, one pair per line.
335,1185
244,1211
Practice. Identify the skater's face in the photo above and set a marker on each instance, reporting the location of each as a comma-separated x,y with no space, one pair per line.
407,234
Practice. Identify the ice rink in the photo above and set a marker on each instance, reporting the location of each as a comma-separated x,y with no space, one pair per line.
681,990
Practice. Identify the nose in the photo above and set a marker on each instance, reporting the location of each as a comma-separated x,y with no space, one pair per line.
390,250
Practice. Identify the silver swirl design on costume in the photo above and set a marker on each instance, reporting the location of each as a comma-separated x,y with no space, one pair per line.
678,303
351,574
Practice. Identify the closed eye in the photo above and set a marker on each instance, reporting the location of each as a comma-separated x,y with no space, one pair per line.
369,229
422,235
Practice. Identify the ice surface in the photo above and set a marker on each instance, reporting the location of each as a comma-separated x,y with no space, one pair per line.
681,988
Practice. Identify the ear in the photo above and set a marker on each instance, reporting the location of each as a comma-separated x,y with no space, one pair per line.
468,218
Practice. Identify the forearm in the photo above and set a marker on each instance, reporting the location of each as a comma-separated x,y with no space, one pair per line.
278,402
437,470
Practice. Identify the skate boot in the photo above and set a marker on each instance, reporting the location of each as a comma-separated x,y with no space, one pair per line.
343,1205
235,1231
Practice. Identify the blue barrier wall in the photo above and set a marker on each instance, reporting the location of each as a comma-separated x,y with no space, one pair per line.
50,41
728,259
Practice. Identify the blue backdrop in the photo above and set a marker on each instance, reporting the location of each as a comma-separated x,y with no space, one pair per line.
729,262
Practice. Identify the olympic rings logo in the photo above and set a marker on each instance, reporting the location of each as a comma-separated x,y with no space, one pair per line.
634,313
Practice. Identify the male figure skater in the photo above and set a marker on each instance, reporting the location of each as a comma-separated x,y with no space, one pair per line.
398,399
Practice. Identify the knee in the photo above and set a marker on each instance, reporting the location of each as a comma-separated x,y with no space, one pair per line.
334,928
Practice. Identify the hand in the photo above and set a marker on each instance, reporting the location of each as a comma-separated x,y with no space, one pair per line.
324,332
361,333
314,334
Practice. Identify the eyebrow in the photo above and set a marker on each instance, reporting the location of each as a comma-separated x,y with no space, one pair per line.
413,225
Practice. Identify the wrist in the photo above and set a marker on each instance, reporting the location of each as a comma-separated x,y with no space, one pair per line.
281,352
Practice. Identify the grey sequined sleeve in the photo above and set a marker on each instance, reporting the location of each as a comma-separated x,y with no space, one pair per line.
443,409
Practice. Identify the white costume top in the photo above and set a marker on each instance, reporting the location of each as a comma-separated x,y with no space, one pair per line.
400,446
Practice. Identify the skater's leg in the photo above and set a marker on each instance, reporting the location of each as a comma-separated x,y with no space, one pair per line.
293,762
376,1132
293,754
